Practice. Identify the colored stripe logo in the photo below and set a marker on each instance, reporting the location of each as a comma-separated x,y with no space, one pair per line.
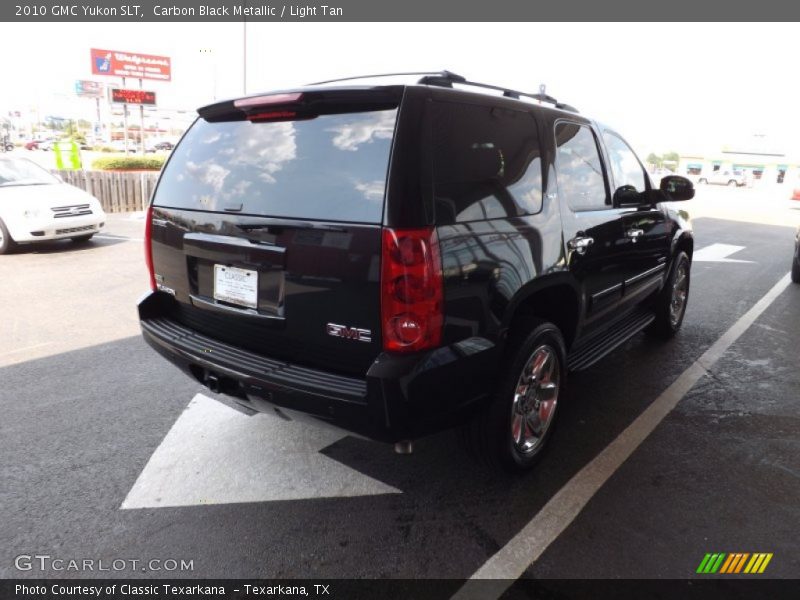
734,563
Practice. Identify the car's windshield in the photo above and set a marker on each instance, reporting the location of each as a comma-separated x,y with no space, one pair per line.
20,171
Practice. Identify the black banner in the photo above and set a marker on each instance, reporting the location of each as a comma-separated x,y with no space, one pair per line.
396,589
405,10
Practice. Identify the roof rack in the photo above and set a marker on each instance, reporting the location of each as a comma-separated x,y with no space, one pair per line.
448,78
435,73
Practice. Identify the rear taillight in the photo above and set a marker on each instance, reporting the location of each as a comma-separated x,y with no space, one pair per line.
258,108
411,290
148,246
272,115
257,101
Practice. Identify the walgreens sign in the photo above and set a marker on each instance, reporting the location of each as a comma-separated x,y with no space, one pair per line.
130,64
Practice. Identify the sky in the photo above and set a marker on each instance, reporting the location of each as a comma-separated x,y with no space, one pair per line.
663,86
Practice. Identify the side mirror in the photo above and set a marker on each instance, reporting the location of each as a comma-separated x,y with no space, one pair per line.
677,188
627,195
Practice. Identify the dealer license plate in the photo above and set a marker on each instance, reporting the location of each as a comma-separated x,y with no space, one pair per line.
236,286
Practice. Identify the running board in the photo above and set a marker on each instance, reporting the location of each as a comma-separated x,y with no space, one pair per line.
599,345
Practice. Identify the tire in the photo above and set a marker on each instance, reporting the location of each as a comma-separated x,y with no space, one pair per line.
7,243
670,303
796,269
702,180
82,239
732,183
502,435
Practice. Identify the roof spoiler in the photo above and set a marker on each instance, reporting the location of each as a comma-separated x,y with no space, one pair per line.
303,103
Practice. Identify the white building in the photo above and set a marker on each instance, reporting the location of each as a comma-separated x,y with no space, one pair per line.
764,162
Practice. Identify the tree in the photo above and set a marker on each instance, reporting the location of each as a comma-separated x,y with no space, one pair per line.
671,157
654,159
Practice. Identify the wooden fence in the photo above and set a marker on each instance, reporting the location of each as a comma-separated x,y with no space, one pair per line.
118,191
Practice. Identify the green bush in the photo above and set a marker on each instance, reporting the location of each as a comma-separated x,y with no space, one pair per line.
129,163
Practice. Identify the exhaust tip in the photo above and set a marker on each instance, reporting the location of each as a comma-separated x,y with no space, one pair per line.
404,447
213,383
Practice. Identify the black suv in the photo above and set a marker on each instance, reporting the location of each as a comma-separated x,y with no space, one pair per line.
398,259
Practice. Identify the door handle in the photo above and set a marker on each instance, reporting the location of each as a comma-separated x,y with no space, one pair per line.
634,234
580,244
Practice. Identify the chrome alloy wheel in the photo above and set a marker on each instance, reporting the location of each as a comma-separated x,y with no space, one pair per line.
680,291
535,399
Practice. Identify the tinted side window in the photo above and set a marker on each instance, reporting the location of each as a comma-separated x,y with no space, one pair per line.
487,163
624,164
579,171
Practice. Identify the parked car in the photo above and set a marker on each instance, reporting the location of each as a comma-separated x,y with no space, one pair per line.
159,145
400,259
39,144
36,206
796,259
730,177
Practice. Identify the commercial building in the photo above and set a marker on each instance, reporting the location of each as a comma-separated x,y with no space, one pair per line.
761,159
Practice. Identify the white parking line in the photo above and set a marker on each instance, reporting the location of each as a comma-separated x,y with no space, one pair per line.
529,544
718,253
121,238
26,349
214,454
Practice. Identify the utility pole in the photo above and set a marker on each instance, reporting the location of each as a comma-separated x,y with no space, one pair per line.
125,118
141,121
209,52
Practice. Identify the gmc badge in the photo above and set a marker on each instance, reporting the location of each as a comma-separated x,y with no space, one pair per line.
349,333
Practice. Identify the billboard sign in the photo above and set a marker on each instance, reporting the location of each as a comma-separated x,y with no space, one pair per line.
88,89
130,64
123,96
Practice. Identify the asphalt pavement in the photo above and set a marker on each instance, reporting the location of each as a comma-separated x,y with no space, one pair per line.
108,452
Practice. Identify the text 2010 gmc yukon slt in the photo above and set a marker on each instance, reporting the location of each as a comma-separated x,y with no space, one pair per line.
398,259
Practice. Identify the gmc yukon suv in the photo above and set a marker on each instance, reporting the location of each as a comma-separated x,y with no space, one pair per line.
399,259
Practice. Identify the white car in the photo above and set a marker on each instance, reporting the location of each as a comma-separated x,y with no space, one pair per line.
36,206
731,177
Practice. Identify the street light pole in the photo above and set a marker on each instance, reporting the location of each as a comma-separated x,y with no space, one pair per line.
125,118
209,52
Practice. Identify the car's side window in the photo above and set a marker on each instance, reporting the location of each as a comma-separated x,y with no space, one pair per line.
625,166
579,170
487,163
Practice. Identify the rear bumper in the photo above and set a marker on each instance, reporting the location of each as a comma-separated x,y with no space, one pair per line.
400,397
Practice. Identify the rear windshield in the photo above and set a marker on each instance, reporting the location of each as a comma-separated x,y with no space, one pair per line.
332,167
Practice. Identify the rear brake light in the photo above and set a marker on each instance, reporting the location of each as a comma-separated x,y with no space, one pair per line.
267,100
148,246
271,115
411,290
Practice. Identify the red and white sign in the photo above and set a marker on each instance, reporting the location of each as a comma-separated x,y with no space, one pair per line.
130,64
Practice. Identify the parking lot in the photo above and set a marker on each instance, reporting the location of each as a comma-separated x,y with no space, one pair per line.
111,453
